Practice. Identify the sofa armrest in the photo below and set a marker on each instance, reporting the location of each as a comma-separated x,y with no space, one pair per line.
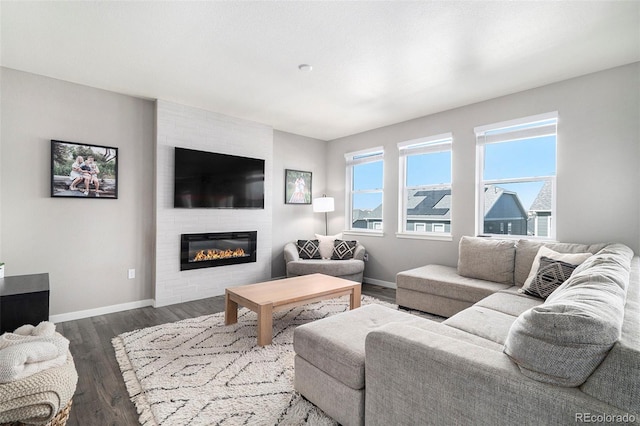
290,253
359,253
416,376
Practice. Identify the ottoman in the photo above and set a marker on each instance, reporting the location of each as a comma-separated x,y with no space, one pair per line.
329,361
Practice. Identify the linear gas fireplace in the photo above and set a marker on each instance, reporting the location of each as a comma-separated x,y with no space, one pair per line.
217,249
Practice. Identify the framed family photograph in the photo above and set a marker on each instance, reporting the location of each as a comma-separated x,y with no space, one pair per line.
83,171
297,187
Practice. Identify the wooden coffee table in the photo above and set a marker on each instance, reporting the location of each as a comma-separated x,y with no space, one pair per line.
272,296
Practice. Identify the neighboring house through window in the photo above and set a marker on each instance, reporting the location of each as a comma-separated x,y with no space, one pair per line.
364,180
516,177
425,186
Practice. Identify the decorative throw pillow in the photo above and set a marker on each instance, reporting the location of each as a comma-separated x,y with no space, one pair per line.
309,249
551,274
343,250
572,258
326,244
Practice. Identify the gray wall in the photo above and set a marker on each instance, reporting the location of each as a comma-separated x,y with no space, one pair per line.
597,174
290,221
598,144
117,234
86,246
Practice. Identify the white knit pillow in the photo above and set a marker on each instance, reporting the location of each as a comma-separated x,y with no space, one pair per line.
326,244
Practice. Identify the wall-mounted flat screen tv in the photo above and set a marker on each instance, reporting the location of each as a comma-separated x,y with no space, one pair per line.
219,181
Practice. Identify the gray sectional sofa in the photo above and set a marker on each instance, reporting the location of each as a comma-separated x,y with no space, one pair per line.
503,357
351,269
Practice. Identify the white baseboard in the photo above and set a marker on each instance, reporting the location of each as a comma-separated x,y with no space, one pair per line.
379,282
70,316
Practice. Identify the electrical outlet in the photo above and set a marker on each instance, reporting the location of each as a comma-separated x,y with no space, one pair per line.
366,257
132,274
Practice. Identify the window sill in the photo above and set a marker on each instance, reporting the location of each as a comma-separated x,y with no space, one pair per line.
518,237
364,233
425,236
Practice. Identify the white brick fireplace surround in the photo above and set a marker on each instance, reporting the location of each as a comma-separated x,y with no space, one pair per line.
194,128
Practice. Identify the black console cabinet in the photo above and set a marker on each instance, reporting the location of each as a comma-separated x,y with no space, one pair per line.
24,299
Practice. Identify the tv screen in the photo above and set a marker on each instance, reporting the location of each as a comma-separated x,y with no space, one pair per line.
220,181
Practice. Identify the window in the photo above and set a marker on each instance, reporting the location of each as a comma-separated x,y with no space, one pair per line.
365,183
425,186
439,227
517,177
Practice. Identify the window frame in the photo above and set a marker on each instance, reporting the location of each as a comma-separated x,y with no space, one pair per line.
433,226
428,145
365,156
422,225
529,130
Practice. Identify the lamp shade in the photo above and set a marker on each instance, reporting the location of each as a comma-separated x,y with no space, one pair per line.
323,204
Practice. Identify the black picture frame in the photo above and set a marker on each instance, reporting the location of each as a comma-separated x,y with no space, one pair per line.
297,187
69,177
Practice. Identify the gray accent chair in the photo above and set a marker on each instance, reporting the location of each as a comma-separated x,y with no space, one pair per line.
351,269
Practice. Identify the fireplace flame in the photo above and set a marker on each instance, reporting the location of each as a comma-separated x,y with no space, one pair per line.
216,254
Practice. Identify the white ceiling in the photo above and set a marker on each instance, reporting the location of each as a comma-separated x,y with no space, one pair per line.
374,63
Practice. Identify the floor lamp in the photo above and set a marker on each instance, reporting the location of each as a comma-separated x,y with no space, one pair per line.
324,205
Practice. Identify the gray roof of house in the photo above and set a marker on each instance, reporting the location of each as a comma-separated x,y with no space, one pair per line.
491,196
434,204
364,214
543,199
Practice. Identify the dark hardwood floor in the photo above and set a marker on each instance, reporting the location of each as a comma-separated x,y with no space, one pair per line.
101,397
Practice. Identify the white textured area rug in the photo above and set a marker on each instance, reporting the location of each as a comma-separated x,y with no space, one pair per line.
200,372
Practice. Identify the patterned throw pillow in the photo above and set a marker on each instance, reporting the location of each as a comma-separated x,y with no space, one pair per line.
343,250
308,249
572,258
551,274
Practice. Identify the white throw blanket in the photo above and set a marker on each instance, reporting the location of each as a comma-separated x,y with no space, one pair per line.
29,350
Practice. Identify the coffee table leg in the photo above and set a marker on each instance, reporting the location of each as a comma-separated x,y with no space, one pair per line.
354,301
265,324
230,310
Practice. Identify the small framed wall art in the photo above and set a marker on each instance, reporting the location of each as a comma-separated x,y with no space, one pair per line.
297,187
83,171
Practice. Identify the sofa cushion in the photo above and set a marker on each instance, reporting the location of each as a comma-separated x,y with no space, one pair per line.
335,344
563,340
334,268
343,250
445,281
526,251
308,249
487,259
483,322
326,244
509,302
615,381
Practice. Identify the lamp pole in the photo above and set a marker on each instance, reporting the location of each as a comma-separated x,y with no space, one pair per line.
324,205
